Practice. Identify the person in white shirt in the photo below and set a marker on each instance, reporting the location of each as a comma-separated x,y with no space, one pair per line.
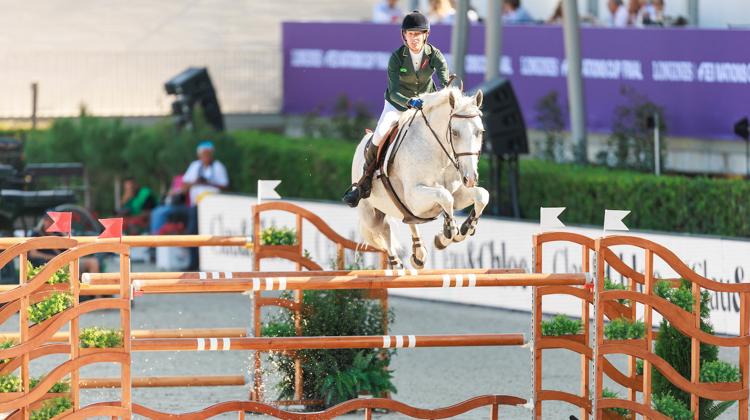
387,11
205,175
618,14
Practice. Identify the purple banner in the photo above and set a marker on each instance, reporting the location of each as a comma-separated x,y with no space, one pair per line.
700,77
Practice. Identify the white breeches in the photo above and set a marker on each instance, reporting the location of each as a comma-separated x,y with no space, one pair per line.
388,118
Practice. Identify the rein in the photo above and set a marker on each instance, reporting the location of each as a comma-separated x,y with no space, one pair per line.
452,157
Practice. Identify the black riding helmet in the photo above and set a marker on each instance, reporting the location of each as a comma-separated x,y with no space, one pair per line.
415,21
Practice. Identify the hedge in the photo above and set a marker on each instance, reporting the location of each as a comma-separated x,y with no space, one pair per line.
320,169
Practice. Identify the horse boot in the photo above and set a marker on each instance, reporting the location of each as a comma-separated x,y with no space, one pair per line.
361,189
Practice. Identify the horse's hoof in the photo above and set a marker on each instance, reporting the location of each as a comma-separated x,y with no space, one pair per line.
459,237
439,244
416,262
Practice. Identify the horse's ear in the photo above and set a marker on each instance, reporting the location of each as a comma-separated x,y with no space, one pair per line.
461,86
452,99
478,98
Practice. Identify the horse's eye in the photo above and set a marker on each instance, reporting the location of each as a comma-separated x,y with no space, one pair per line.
455,133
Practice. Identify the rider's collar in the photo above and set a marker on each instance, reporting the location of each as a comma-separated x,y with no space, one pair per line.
427,49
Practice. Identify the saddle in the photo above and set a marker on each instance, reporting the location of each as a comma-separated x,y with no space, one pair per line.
392,141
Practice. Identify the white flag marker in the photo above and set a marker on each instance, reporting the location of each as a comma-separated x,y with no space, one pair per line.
613,219
549,217
267,189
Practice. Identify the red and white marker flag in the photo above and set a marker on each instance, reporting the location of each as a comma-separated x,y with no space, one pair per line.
112,228
61,221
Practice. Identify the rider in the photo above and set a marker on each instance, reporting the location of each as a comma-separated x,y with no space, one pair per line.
410,71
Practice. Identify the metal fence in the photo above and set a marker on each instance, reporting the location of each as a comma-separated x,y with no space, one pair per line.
132,83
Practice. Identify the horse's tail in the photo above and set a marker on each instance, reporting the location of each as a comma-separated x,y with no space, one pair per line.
375,228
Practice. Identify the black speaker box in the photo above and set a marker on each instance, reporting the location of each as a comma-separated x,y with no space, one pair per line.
503,120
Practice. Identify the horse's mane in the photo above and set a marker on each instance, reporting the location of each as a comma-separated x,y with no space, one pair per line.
463,104
434,101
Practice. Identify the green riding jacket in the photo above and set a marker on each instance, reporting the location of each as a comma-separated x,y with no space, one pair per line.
406,82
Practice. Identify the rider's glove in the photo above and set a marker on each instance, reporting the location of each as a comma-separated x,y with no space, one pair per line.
415,103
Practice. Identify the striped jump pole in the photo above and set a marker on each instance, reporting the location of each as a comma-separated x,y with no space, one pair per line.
165,381
241,285
342,342
114,278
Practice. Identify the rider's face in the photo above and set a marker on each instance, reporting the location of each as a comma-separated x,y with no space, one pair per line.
415,40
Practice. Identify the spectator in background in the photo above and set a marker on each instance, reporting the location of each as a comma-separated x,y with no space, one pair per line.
441,11
387,11
634,8
618,14
513,13
645,13
655,15
557,15
205,175
471,12
138,201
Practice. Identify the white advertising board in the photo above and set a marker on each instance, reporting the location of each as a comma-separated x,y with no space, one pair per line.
498,243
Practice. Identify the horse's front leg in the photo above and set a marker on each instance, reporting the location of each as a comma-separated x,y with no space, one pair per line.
464,197
418,251
443,197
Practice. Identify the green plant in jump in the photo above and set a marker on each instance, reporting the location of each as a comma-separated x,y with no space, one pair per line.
333,376
52,408
624,329
561,325
6,345
278,236
611,285
10,383
95,337
57,387
674,348
622,412
49,307
672,407
60,276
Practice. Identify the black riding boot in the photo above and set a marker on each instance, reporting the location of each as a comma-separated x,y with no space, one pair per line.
361,189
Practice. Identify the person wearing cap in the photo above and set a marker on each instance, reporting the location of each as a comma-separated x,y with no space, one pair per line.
410,71
204,175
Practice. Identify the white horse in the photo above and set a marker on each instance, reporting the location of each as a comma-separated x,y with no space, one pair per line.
434,171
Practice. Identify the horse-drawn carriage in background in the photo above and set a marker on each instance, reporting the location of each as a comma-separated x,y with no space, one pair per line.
28,191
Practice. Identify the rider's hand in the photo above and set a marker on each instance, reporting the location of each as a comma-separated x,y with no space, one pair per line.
415,103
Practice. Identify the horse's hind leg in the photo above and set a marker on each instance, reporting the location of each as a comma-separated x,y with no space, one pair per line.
464,197
376,231
419,253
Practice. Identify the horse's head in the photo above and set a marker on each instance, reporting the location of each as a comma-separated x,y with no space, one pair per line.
465,131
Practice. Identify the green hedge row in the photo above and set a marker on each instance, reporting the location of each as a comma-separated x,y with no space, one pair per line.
320,169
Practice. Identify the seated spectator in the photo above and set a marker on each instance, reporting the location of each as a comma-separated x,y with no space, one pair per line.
471,13
138,201
387,11
205,175
513,13
441,11
618,14
557,15
655,14
646,11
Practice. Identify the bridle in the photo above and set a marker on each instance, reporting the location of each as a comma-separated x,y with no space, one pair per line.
452,155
